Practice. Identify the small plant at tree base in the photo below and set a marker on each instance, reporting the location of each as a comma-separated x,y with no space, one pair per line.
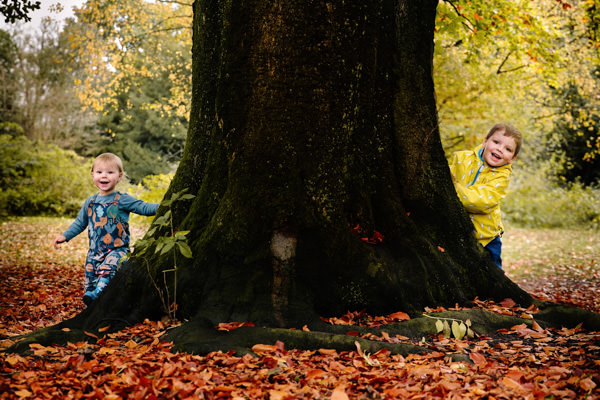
175,242
458,328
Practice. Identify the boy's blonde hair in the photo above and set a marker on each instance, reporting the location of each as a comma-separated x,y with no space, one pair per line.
509,131
109,158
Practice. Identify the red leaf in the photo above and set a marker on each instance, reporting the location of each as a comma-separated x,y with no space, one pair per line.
229,326
508,303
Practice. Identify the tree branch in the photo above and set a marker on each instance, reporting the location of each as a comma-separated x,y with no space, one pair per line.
470,24
500,71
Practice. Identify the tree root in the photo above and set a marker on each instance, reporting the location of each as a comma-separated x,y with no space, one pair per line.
200,336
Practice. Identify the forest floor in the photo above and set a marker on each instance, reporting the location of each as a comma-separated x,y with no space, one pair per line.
41,286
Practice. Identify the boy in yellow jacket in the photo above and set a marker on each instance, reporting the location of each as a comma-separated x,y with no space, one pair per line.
481,179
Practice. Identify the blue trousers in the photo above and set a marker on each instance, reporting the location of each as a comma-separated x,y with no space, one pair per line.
495,249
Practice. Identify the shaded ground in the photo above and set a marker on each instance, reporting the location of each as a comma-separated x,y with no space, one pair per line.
40,286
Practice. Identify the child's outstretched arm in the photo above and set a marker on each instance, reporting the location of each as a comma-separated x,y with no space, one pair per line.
131,204
76,227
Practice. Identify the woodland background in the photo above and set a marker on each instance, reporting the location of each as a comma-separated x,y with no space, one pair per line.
116,77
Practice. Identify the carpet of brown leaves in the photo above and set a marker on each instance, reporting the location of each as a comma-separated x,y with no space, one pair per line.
40,286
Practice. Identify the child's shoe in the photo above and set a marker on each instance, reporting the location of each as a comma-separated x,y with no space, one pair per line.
88,298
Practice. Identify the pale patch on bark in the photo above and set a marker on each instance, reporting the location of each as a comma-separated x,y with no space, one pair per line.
283,248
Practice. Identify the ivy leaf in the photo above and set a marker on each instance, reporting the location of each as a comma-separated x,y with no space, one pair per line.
168,246
447,331
184,249
439,326
459,330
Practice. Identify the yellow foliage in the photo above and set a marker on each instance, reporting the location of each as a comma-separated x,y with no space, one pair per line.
119,43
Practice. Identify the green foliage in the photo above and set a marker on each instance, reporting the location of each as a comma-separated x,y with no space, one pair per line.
11,128
175,242
38,179
8,57
534,201
152,189
491,59
574,141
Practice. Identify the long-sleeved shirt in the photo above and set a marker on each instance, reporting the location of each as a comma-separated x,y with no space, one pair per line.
127,204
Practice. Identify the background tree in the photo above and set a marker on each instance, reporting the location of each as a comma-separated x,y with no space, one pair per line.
8,87
48,107
135,76
574,142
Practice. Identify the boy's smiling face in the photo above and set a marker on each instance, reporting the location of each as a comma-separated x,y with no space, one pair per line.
106,175
499,150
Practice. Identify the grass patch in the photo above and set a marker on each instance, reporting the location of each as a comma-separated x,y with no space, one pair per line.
540,252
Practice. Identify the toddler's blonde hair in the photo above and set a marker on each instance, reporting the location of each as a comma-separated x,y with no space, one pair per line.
109,158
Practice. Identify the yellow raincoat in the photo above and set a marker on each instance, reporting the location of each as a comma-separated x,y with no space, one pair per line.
480,189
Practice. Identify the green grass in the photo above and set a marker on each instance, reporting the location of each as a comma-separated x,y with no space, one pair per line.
572,253
527,253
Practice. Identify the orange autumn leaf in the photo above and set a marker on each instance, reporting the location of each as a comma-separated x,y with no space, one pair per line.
315,374
587,384
512,384
400,316
264,348
477,358
339,393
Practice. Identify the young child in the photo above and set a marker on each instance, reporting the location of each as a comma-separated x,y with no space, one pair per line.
481,179
106,215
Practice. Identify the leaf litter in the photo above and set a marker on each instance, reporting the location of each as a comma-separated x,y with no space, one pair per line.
521,362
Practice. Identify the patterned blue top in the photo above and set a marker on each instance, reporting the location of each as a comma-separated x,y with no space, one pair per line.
127,204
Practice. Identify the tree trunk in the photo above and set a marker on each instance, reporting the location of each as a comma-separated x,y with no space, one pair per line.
313,132
313,126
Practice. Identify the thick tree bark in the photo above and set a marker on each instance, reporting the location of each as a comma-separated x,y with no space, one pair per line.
310,119
313,126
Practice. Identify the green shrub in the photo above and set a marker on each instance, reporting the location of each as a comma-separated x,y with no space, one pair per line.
41,179
152,189
534,201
